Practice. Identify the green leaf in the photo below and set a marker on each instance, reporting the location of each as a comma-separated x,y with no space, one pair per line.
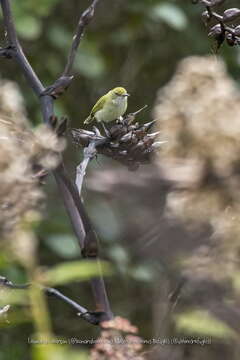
89,60
236,280
14,273
102,213
59,36
57,352
170,14
10,296
120,257
43,7
75,271
201,322
119,254
28,27
63,245
142,273
15,316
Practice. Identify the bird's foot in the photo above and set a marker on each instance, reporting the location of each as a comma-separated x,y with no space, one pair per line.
119,120
106,131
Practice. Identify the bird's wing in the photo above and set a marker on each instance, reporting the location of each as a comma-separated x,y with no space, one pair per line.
99,105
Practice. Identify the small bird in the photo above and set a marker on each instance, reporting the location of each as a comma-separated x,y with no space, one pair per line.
109,107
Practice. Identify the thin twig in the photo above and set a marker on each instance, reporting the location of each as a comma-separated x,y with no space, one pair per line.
84,20
72,201
140,110
92,317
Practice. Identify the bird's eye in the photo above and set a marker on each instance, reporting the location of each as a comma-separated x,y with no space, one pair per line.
117,93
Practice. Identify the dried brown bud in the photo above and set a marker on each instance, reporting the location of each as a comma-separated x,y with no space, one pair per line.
215,31
212,2
237,30
221,31
231,14
218,33
231,40
206,17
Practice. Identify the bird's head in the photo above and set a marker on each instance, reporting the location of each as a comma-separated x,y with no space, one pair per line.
119,92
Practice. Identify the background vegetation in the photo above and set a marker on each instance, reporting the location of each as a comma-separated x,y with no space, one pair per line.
136,44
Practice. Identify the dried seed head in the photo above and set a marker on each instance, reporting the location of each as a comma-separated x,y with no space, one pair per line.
221,31
129,143
216,31
231,15
237,30
204,139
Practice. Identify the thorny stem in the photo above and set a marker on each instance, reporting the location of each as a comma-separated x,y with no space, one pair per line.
72,201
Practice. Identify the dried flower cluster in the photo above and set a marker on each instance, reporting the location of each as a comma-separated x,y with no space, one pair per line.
221,27
128,142
118,341
24,156
199,113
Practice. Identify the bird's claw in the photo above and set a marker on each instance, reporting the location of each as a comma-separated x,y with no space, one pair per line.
106,131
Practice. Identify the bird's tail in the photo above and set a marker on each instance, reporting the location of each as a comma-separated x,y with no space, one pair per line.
89,119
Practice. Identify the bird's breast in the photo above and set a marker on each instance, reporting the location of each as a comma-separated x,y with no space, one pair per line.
112,110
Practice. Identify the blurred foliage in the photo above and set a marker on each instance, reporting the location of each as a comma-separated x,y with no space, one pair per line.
199,322
74,271
136,44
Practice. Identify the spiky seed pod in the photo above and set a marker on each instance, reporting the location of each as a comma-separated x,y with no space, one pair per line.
129,143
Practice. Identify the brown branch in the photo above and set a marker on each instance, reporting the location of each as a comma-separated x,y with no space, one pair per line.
91,242
84,20
72,201
91,317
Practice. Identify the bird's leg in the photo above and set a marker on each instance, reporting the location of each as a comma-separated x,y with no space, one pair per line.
119,120
107,132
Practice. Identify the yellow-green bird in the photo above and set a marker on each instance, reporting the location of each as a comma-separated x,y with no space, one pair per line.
110,106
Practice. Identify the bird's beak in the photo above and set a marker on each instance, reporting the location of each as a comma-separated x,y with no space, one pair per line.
126,94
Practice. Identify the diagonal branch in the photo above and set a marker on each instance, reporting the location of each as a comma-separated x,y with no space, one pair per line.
11,33
72,201
91,317
15,51
84,20
63,82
